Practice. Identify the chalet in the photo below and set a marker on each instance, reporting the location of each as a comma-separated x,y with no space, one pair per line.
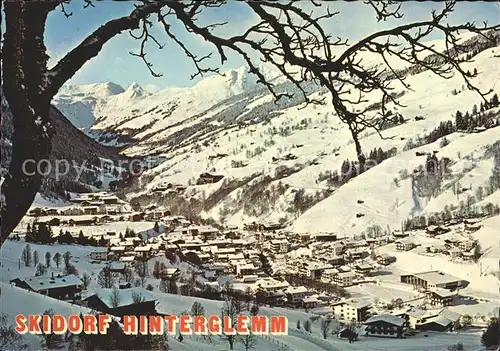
67,287
404,244
454,252
329,274
127,259
207,178
136,217
344,279
434,230
310,301
352,310
471,228
269,226
363,269
295,295
315,270
440,297
245,269
117,267
72,211
385,259
325,237
250,278
466,245
438,323
398,234
121,302
434,279
356,254
207,232
117,250
468,255
82,221
385,325
99,255
110,200
280,246
272,285
143,252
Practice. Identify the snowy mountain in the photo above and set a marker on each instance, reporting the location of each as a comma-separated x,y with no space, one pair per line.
277,159
86,158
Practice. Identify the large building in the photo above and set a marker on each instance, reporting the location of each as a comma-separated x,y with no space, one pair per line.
67,287
434,279
385,325
352,310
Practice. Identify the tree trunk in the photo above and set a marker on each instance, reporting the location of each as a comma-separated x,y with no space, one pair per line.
24,67
359,150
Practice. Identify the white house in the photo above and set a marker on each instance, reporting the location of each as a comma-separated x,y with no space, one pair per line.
280,246
344,278
99,255
352,310
295,295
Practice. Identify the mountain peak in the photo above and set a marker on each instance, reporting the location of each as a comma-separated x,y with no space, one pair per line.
135,90
135,86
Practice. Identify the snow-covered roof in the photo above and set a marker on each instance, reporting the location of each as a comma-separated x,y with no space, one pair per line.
364,266
279,241
146,248
117,248
126,296
346,274
437,277
296,290
308,299
439,319
331,271
387,318
42,283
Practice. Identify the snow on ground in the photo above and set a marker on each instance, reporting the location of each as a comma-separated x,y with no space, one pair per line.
327,141
27,303
479,280
116,227
15,301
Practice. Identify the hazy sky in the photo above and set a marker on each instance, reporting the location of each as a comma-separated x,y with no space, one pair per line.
114,63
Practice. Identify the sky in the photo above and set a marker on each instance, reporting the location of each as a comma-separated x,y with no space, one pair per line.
114,63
